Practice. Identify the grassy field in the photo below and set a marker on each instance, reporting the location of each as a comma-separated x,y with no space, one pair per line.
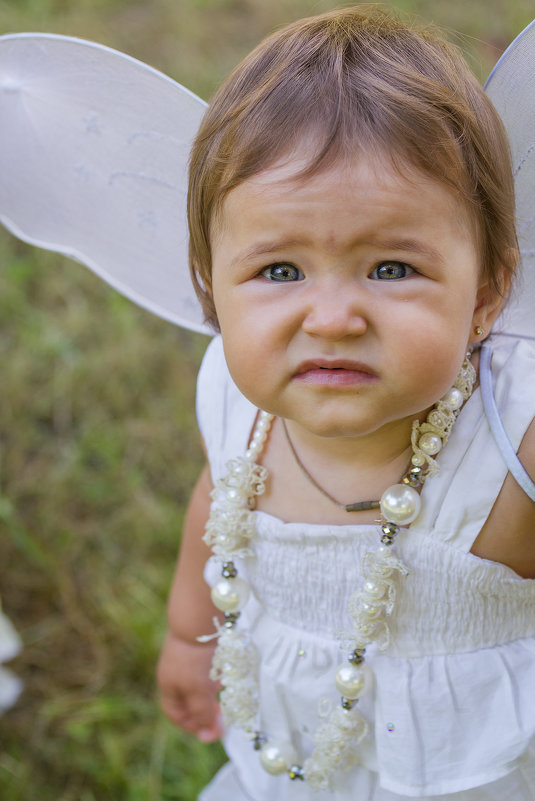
99,448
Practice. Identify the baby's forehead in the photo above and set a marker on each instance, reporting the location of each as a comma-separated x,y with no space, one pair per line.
297,175
288,196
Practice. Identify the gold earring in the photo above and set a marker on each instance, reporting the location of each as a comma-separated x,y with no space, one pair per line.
478,331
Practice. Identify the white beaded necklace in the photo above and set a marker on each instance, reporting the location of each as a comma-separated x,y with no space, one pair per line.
229,531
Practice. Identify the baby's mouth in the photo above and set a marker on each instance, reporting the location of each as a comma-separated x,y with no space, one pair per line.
334,372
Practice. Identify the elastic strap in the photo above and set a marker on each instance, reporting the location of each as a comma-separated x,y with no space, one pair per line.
496,426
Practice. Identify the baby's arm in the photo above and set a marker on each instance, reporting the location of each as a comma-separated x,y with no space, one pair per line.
188,696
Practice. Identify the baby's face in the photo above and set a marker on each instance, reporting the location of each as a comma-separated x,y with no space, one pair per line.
346,301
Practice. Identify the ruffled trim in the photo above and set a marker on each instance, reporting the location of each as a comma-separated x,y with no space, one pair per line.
227,786
486,697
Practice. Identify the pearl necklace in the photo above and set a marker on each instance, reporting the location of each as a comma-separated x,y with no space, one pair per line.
229,531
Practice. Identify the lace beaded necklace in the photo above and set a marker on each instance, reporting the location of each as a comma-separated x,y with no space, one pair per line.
229,532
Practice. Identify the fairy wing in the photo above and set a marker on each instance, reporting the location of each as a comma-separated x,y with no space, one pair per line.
94,149
511,87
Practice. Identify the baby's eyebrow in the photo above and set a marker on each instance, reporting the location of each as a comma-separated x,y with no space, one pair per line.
262,248
407,245
412,246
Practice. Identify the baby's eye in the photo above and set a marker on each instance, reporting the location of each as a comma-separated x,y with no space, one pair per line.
282,272
391,271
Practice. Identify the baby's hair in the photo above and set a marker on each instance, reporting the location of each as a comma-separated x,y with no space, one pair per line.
350,82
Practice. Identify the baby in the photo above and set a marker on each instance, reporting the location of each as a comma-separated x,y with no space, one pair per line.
352,240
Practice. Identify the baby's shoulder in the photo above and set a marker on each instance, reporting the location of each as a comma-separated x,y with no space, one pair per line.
526,452
508,535
224,415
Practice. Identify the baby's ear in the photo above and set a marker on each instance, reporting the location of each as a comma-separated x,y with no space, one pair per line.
492,295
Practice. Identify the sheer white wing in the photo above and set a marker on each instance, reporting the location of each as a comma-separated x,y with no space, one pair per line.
94,148
93,161
511,87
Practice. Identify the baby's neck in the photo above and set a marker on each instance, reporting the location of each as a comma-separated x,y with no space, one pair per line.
350,469
379,449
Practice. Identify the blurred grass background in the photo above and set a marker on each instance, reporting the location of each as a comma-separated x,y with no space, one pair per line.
98,441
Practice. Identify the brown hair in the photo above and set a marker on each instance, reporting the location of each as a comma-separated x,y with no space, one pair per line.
355,80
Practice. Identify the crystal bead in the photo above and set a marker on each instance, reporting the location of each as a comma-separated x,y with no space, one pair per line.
390,529
229,570
258,740
413,477
296,772
356,657
400,504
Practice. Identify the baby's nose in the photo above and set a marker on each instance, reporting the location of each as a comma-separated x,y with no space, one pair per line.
335,312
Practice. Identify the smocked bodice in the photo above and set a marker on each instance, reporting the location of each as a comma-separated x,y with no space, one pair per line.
450,602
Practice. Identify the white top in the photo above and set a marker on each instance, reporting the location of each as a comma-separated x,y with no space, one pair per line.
453,706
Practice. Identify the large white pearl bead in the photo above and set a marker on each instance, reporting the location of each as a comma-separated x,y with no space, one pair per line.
400,504
276,758
430,444
230,595
454,398
352,681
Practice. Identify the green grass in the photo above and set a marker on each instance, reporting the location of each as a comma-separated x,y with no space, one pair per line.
99,451
99,448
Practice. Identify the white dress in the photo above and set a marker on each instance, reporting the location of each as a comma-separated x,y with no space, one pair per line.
452,712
